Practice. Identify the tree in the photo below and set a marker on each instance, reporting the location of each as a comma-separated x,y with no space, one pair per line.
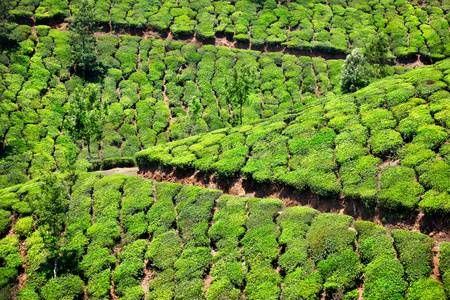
378,55
354,72
5,27
82,27
85,116
51,209
239,85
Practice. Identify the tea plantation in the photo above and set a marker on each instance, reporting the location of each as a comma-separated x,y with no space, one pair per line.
129,238
162,71
336,26
385,145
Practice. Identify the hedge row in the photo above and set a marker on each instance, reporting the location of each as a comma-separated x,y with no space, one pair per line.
301,281
383,273
263,282
228,271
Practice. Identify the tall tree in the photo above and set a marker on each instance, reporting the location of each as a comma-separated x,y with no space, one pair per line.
82,27
378,55
239,85
354,72
85,116
51,209
5,27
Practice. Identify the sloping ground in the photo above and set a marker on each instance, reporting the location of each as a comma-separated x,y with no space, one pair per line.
148,84
385,145
414,27
129,238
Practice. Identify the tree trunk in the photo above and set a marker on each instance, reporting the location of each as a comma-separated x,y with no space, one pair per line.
54,269
89,151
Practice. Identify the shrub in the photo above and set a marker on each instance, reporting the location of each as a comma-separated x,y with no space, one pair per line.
426,289
263,282
415,254
164,250
194,205
433,174
385,142
161,215
360,179
193,263
373,241
384,279
64,287
340,271
329,234
11,260
24,226
302,284
4,220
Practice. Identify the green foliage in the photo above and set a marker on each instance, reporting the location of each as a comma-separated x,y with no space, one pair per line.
415,254
329,234
340,271
239,86
24,226
426,288
373,241
384,279
164,250
64,287
354,74
10,259
85,116
82,27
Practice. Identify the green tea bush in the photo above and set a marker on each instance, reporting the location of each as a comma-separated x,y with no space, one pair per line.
385,142
340,271
426,288
435,202
398,188
194,263
329,234
164,250
24,226
414,250
384,279
5,221
262,282
373,241
127,274
433,174
67,287
360,179
194,205
260,223
11,260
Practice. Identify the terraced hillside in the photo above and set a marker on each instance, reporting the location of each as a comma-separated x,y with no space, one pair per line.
385,145
129,238
318,195
337,26
147,85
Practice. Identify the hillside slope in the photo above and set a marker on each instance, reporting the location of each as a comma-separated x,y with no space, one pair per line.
385,145
129,238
